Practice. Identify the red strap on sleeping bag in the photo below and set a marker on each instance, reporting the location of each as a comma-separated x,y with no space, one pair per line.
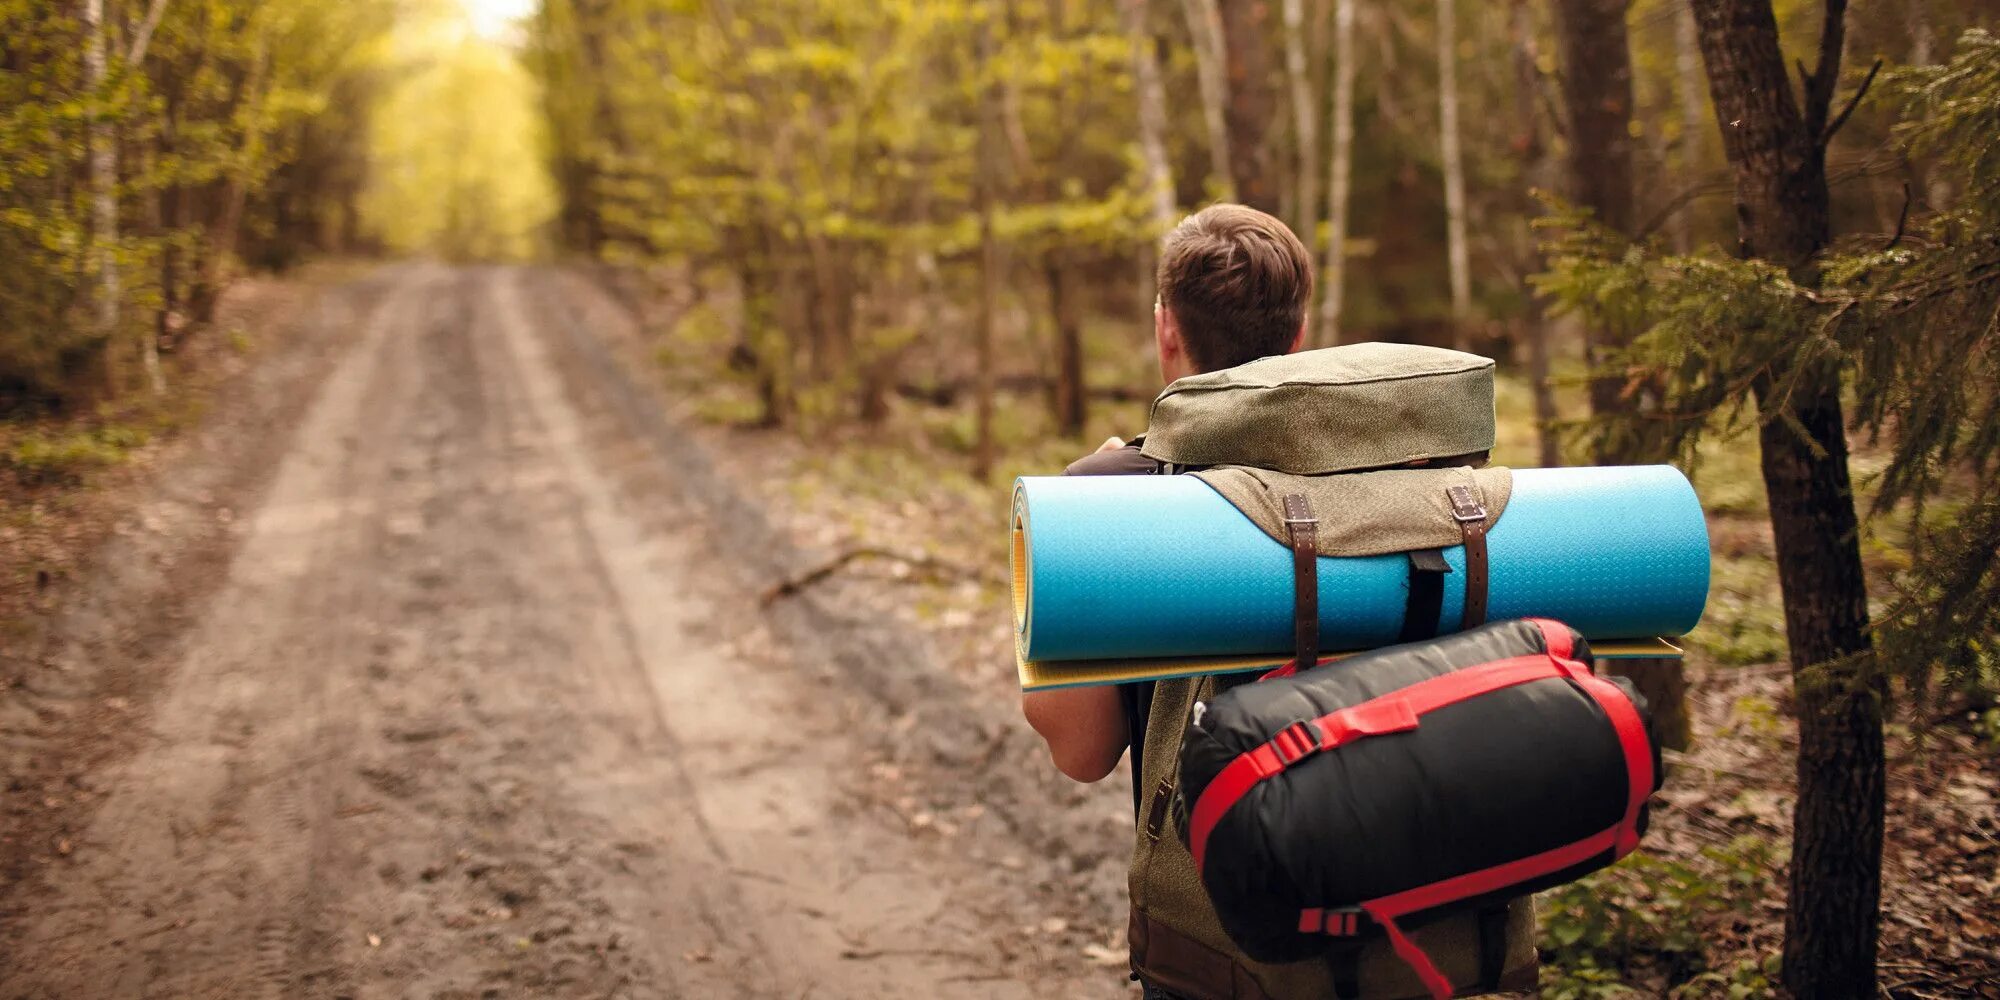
1391,713
1398,712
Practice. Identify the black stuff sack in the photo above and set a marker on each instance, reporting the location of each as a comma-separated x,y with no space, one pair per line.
1367,795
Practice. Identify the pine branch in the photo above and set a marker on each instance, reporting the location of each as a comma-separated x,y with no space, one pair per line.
1847,112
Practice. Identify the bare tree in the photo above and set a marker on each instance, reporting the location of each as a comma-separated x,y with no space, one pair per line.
1253,101
988,194
1454,170
104,194
1204,20
1694,116
1534,149
1597,94
1340,173
1305,120
1159,179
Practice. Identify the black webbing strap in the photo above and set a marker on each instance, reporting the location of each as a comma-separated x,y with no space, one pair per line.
1492,945
1343,964
1426,601
1303,529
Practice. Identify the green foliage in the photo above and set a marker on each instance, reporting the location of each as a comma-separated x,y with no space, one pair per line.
1746,979
1987,725
1908,320
1647,909
455,147
67,457
225,127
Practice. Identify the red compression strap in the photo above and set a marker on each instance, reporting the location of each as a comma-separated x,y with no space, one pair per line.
1619,838
1414,957
1494,879
1390,713
1555,638
1625,721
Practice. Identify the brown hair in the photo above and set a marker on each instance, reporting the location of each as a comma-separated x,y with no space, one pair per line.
1238,281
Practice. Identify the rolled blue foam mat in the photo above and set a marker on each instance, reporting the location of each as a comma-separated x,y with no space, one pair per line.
1162,566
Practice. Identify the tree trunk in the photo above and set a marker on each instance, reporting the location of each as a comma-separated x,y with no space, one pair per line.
1072,394
1340,172
1597,91
988,182
228,222
1159,179
1694,120
1252,102
1533,147
1777,150
103,140
1204,20
1454,171
1305,122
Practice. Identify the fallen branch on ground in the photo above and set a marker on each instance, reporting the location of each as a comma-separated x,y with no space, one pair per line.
935,569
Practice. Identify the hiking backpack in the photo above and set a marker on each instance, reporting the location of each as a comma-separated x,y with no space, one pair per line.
1290,796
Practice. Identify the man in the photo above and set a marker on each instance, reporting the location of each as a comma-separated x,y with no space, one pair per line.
1234,286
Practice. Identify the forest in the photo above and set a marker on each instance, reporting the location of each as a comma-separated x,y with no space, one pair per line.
1759,239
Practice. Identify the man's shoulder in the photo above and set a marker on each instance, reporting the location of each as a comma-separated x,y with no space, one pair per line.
1126,461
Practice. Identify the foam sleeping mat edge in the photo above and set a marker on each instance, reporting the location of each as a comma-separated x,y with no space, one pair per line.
1052,675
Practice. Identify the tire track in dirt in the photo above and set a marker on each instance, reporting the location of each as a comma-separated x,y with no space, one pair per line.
472,715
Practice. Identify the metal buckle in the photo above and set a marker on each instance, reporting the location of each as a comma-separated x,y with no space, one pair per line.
1465,509
1296,509
1346,921
1296,742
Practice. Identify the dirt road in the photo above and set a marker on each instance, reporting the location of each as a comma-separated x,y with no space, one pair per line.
475,705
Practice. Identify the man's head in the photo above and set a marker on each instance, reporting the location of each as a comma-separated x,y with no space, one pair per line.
1234,284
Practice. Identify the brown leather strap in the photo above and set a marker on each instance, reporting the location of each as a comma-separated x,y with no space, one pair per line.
1303,528
1471,517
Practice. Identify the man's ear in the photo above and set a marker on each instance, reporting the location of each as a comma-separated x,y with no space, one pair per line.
1299,338
1167,337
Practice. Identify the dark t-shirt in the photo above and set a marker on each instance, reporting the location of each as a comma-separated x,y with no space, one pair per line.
1137,699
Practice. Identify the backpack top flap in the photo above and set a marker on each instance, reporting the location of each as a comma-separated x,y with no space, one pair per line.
1337,409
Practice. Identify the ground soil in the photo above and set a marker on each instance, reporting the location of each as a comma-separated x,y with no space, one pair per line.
435,666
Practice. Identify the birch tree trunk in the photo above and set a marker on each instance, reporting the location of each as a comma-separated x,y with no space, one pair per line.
1159,179
1694,118
1305,121
1205,25
1340,173
1454,171
988,180
104,200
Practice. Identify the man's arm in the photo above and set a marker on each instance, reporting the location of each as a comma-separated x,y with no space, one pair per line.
1085,728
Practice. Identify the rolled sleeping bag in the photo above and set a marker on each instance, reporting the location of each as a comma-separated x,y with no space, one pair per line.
1133,567
1411,781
